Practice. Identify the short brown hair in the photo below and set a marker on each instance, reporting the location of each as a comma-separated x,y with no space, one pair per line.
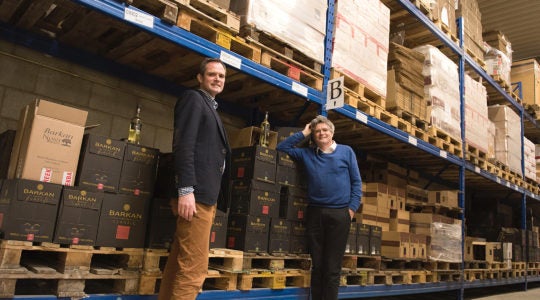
208,60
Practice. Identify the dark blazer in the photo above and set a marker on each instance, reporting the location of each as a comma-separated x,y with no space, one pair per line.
200,147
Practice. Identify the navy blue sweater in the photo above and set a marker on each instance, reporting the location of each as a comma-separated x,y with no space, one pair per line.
333,178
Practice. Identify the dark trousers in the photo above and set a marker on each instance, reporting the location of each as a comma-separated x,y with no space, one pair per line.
327,232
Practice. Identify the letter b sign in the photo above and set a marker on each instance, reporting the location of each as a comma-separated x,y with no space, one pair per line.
335,93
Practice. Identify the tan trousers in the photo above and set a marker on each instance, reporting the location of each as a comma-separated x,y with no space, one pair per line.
187,264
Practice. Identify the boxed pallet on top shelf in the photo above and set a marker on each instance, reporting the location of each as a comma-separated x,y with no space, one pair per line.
361,42
469,11
498,55
528,73
301,24
529,158
508,136
441,87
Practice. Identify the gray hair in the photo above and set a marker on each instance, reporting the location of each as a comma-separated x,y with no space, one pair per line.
322,119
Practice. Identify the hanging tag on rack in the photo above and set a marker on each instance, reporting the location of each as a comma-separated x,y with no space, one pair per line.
335,93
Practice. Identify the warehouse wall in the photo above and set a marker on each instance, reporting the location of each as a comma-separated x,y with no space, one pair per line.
110,101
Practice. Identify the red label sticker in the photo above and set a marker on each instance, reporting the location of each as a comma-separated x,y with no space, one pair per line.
294,73
67,178
46,175
75,241
212,237
300,214
122,232
100,186
136,192
240,172
231,242
265,209
30,237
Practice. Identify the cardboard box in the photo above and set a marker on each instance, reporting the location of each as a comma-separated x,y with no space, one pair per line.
248,233
257,198
351,246
139,171
448,198
279,237
293,204
48,143
123,220
399,220
362,239
78,216
494,252
161,224
376,194
7,138
287,176
28,210
218,232
100,163
375,240
475,249
249,136
528,73
254,162
298,238
395,244
165,186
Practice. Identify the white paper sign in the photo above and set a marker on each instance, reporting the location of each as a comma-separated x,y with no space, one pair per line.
230,59
413,140
335,93
138,17
361,117
300,89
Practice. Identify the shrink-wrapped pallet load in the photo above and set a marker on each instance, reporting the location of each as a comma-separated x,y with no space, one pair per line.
441,88
476,115
361,40
508,136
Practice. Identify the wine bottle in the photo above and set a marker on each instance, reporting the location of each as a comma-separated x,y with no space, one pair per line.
135,127
264,138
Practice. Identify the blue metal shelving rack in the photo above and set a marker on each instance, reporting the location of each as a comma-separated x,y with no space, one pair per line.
190,41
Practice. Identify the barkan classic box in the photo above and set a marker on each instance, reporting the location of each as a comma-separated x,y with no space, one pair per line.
362,239
298,238
253,197
28,210
293,203
122,222
48,143
100,163
255,162
248,233
139,170
352,246
279,236
78,216
218,232
161,224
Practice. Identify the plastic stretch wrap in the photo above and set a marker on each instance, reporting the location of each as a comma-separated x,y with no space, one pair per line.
300,23
507,136
498,64
476,114
361,42
442,90
530,160
445,242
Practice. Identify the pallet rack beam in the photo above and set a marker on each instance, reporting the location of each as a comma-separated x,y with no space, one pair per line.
199,45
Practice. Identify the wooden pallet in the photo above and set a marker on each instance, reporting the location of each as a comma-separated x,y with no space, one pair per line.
387,277
226,260
212,13
218,35
165,10
273,262
273,44
273,280
154,261
290,69
410,117
356,262
359,89
355,277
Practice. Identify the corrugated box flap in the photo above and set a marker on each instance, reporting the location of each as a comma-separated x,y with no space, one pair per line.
60,112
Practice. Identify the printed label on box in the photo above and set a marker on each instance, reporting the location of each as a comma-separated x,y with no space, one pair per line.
67,178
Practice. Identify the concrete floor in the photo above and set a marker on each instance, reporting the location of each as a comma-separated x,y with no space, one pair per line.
531,294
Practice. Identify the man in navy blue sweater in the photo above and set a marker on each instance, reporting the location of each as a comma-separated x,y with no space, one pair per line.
334,191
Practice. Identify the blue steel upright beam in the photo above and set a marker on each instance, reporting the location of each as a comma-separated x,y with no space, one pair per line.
330,17
461,195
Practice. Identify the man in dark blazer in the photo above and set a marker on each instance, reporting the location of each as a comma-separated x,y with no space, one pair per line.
201,151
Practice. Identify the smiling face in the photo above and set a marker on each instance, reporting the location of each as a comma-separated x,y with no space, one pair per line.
213,79
323,135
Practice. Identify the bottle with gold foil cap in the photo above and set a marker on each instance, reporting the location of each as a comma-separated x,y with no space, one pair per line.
264,138
135,127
